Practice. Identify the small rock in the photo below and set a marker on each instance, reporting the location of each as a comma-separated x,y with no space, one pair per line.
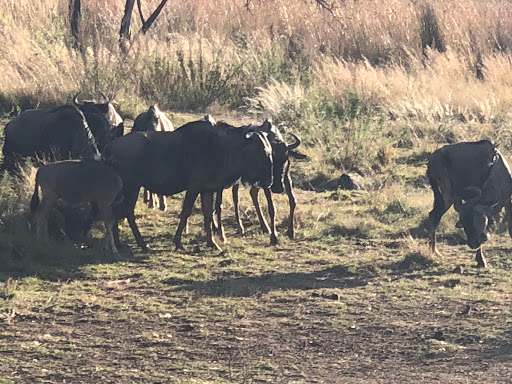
351,181
438,335
225,263
451,283
466,310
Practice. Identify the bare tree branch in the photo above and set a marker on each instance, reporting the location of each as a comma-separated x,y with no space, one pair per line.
326,6
140,12
153,17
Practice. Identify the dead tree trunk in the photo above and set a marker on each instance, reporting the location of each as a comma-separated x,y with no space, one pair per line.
124,32
76,14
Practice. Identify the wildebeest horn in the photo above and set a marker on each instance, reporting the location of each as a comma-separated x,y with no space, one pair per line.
105,98
75,99
474,194
294,145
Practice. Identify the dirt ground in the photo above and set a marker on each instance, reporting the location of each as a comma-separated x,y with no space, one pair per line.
332,306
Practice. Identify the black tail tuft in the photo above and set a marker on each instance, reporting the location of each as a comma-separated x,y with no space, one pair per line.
34,202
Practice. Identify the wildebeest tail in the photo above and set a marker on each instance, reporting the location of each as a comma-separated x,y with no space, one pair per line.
34,202
438,197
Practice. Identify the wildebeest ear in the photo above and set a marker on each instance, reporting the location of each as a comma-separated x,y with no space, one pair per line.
117,131
267,126
297,155
459,224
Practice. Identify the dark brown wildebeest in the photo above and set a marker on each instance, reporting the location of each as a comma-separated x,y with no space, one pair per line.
198,158
75,182
60,133
476,173
153,120
281,154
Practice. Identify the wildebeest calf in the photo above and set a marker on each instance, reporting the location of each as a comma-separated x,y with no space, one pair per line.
75,182
476,173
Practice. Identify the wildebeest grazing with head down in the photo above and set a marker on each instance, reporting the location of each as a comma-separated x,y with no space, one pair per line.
75,182
197,158
153,120
69,131
476,179
281,154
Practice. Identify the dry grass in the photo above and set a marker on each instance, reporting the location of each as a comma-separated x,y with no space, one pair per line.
428,53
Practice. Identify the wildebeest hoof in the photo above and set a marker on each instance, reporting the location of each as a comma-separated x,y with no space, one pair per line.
214,245
273,240
290,234
482,264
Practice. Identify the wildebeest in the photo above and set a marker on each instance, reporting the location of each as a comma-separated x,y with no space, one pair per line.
75,182
197,158
281,154
68,131
476,173
153,120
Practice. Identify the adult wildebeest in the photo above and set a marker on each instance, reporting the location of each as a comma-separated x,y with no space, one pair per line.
153,120
198,158
477,173
75,182
281,153
68,131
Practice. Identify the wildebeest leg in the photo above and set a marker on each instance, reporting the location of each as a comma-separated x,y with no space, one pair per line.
293,203
130,199
108,219
145,196
235,191
441,205
508,216
263,223
162,203
41,216
188,204
272,214
115,234
218,226
480,259
151,200
207,208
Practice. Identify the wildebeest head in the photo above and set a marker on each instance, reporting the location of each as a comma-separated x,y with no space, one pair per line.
475,216
102,118
152,120
95,106
281,152
258,154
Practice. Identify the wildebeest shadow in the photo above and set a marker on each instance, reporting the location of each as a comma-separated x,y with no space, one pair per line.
54,260
338,277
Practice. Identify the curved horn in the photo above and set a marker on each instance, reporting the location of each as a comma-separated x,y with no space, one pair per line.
474,195
105,98
294,145
75,99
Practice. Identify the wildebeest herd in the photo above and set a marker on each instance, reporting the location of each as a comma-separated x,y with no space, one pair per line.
88,160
